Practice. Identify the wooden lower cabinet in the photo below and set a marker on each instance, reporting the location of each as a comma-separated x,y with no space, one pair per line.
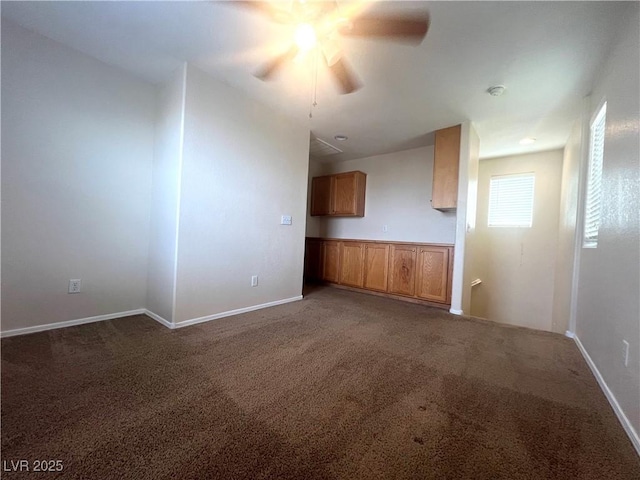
403,270
352,264
331,261
313,259
417,272
433,273
376,266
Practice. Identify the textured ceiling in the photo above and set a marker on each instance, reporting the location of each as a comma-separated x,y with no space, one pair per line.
546,53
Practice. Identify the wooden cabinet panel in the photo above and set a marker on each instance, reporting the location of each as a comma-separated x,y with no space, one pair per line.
376,266
321,195
412,272
348,196
402,266
331,261
446,163
352,264
433,273
340,195
313,260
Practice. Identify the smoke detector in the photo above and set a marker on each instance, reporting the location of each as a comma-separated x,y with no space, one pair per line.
496,90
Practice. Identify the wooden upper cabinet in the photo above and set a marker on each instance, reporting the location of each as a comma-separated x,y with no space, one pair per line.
376,266
348,194
433,273
331,261
321,195
340,195
402,266
352,264
446,164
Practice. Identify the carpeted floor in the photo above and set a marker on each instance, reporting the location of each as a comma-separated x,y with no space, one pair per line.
338,386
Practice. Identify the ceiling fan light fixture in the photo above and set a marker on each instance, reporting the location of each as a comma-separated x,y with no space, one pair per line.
316,26
305,37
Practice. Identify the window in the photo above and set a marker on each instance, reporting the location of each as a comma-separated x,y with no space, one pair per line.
511,200
593,204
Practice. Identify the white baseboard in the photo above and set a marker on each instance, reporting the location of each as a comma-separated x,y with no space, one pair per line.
70,323
569,334
455,311
626,424
159,319
143,311
229,313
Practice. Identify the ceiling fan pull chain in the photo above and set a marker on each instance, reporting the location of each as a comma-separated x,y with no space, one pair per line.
315,79
314,103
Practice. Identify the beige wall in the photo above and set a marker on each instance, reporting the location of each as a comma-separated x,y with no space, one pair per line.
608,306
517,265
77,152
565,253
167,163
167,198
243,166
466,225
398,195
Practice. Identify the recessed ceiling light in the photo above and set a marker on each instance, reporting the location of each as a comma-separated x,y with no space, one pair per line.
341,138
496,90
527,141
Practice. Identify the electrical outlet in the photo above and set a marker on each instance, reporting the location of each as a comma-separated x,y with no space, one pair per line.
625,352
74,285
254,281
285,220
385,228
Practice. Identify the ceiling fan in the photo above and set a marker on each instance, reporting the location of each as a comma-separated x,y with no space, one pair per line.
321,23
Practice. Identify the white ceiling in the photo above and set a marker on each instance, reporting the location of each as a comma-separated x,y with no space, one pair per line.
545,53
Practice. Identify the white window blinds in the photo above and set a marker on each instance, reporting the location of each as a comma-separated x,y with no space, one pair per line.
593,204
511,200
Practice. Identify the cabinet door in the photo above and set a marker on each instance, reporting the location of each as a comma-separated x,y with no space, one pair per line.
321,195
331,261
376,266
349,193
313,260
402,270
352,264
446,161
433,273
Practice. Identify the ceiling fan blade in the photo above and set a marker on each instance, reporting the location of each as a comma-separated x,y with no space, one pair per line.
403,29
343,74
331,51
276,14
268,70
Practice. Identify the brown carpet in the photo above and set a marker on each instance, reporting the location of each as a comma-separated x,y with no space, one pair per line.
338,386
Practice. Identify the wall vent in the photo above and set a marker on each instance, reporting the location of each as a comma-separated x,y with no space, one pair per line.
320,148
